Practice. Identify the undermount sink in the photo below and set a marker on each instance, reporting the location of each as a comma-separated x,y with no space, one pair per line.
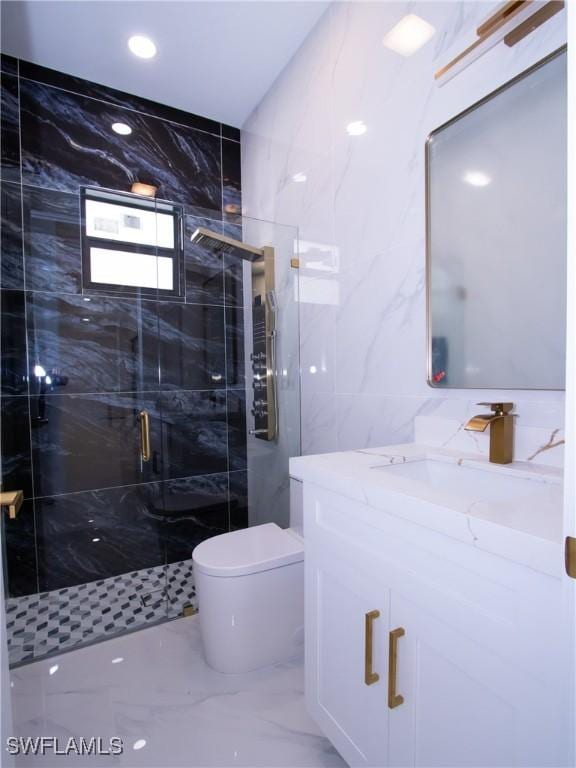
490,484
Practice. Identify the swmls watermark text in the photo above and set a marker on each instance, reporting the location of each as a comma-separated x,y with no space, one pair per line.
44,745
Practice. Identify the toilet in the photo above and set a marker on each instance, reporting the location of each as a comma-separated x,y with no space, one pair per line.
250,589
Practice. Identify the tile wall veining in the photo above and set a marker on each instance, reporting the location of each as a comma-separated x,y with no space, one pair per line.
361,216
73,446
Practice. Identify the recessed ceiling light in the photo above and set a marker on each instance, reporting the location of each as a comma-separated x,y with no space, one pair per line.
356,128
118,660
142,46
299,177
53,670
477,178
39,371
122,128
410,34
139,744
95,540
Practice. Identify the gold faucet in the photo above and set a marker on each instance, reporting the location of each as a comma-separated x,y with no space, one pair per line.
501,423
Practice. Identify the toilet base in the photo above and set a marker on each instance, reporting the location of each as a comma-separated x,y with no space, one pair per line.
253,621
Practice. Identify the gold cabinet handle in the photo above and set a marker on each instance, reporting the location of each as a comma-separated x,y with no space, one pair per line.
13,501
394,699
145,448
370,677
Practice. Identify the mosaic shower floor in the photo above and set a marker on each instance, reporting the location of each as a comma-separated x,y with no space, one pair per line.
52,622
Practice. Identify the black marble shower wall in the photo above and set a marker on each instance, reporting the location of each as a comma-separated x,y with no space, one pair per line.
72,444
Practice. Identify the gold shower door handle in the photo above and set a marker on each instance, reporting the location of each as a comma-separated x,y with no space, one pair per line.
394,699
145,448
370,677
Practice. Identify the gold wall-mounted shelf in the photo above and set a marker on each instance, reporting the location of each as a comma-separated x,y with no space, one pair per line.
12,501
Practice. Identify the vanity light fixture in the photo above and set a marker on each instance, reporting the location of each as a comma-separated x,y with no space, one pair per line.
477,178
142,47
356,128
512,21
299,178
409,35
122,129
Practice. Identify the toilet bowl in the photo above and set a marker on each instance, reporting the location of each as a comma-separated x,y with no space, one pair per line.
250,589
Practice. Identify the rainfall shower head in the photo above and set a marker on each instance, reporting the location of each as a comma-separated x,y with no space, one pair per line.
222,244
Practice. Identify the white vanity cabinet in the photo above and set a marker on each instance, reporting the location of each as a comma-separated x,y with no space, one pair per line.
475,667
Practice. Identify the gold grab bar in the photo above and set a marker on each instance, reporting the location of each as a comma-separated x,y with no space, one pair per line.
394,699
13,500
370,677
145,449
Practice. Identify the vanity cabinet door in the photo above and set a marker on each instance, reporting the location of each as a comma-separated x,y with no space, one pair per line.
464,705
346,692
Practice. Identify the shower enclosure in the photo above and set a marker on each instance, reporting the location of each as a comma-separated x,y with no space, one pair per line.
139,416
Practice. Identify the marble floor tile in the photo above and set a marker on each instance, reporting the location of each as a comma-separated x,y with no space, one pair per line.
154,690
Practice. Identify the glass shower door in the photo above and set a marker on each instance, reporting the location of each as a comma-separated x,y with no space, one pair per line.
85,556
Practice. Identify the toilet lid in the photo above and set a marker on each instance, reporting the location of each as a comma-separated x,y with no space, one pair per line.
249,550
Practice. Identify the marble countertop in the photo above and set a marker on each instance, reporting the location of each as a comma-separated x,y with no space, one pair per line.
527,530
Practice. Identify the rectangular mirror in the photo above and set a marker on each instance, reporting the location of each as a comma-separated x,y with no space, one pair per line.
496,237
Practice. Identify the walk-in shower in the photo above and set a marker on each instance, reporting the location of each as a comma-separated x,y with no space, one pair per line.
137,422
264,326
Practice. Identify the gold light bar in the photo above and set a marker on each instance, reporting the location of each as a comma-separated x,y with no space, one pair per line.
536,20
502,13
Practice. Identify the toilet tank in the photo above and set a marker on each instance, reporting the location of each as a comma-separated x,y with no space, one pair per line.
296,505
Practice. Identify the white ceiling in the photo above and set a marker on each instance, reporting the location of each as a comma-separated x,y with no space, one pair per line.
215,59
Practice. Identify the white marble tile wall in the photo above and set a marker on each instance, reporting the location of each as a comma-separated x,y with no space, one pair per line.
360,215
